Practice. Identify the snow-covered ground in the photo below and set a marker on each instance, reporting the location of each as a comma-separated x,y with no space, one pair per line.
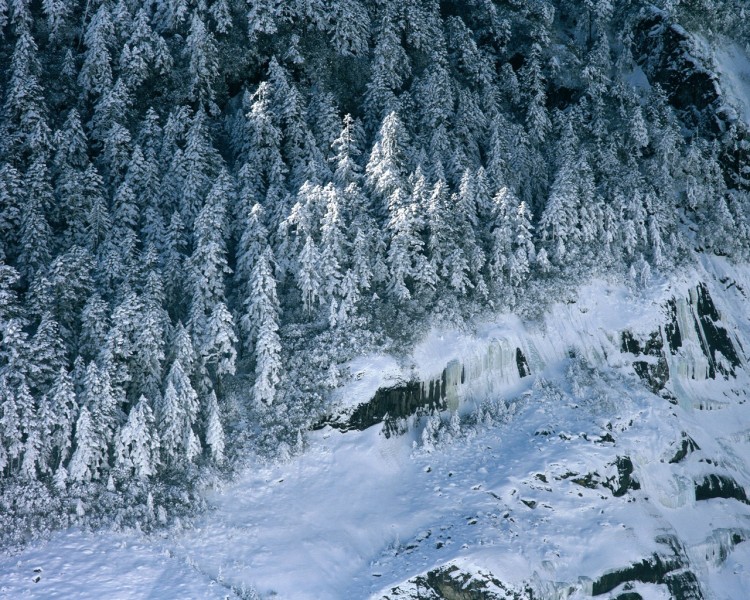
733,65
358,514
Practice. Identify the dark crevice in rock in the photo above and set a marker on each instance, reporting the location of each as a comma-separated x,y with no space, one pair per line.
672,328
654,375
630,344
522,363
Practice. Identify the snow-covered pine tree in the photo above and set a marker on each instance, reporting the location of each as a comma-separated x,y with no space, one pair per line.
137,445
204,64
387,168
263,312
214,429
95,76
211,323
87,458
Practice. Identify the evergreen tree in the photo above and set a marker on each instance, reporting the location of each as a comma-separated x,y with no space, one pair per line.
524,254
48,355
387,168
308,276
262,318
85,464
177,413
560,225
62,418
121,337
347,150
332,244
113,107
391,69
149,350
175,258
24,132
264,16
258,140
350,33
252,242
171,426
214,430
137,449
36,241
10,427
537,119
145,53
220,341
101,403
202,169
11,209
116,154
204,64
95,76
210,321
406,261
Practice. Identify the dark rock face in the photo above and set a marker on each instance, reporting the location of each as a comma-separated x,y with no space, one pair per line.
720,486
654,374
450,583
714,338
399,401
625,480
391,404
669,570
619,484
667,54
649,570
672,328
523,365
715,342
686,446
629,596
590,480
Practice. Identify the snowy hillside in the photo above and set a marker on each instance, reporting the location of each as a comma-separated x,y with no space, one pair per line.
575,480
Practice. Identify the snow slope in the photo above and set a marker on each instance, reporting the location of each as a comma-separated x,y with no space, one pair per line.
521,495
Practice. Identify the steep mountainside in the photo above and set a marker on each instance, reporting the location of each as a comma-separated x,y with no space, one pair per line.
616,466
254,235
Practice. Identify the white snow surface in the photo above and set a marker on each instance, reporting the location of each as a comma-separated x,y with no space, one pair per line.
357,514
733,65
